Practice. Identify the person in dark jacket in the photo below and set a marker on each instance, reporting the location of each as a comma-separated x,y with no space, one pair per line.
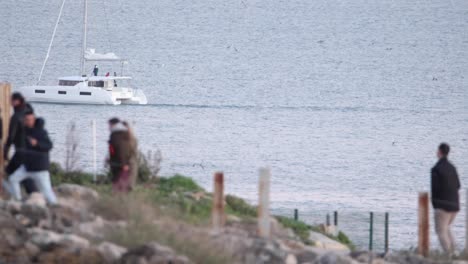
119,156
444,186
16,137
35,165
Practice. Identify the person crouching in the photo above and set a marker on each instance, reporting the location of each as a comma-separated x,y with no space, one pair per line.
119,156
35,160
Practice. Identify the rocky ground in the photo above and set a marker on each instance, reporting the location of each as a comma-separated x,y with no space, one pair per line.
77,231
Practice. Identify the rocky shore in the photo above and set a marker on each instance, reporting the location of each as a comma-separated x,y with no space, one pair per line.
88,226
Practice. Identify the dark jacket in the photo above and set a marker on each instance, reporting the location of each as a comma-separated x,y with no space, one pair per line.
36,158
16,131
119,151
445,185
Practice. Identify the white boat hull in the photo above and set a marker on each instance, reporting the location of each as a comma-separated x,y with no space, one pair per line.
82,95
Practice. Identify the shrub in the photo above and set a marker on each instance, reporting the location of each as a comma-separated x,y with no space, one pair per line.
178,183
301,229
239,206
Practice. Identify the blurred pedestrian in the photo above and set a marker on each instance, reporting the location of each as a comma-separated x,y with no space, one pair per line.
17,137
35,163
119,156
445,200
133,155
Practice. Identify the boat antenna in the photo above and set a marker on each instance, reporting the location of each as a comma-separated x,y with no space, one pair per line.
51,41
85,28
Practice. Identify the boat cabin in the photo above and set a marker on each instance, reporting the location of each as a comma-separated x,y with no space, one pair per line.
105,82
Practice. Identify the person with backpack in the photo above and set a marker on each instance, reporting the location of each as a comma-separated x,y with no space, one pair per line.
35,160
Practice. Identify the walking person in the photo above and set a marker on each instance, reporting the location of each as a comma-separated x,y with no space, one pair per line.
445,199
133,144
35,160
16,137
119,156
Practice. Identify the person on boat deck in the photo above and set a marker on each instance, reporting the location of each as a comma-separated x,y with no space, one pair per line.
35,162
17,137
95,70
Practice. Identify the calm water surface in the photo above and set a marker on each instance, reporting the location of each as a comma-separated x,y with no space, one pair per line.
346,101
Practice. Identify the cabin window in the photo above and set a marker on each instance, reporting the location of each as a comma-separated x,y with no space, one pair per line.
85,93
68,83
39,91
62,92
96,83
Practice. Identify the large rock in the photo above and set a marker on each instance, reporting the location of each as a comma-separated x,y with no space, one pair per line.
12,238
152,253
322,241
76,192
65,218
60,255
111,252
36,199
45,238
35,214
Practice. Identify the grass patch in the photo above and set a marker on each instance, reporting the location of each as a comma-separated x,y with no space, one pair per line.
239,207
301,229
148,222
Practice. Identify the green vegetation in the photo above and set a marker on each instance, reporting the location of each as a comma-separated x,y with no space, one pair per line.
301,229
181,198
58,176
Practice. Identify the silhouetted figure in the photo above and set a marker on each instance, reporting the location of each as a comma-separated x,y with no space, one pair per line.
120,153
95,70
444,186
17,138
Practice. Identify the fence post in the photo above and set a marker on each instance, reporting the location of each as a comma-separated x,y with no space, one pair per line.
217,212
371,230
5,110
327,220
386,231
263,203
296,214
423,224
94,151
466,223
335,218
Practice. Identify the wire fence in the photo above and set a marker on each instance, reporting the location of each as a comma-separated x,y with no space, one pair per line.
402,227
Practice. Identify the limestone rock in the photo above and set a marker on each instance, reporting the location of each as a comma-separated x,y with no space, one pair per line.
44,238
152,253
37,199
111,252
325,242
77,192
37,214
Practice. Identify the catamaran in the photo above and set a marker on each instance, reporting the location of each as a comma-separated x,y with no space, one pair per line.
109,88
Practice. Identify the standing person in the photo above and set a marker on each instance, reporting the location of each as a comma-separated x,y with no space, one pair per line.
35,165
444,186
95,70
17,138
133,144
119,156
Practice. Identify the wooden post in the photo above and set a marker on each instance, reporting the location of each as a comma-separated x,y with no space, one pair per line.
264,203
466,223
5,112
423,224
94,151
386,232
217,212
371,231
296,214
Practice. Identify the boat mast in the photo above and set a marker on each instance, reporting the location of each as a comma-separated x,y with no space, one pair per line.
85,29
